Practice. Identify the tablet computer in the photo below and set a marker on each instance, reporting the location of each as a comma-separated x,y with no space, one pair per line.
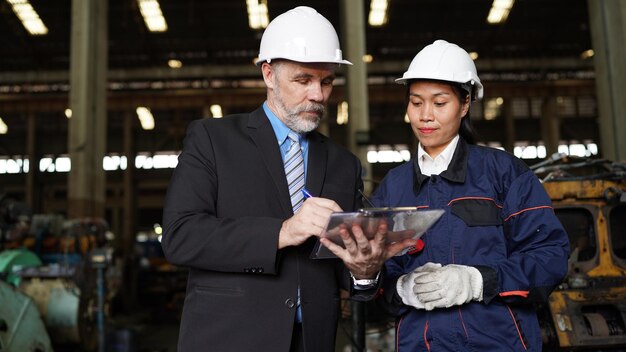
402,222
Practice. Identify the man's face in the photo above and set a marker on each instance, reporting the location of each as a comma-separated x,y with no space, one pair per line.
298,92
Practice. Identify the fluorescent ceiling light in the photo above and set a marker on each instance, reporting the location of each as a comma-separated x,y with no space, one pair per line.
3,127
173,63
257,14
587,54
342,113
216,111
145,118
378,13
499,11
29,17
152,15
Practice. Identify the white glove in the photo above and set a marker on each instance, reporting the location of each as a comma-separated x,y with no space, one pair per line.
405,287
439,286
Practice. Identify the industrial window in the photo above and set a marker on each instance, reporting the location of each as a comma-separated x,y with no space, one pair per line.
493,108
535,107
587,107
566,106
521,108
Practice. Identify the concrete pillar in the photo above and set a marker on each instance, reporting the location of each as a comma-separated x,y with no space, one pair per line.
509,122
353,43
130,198
87,127
32,188
129,213
608,34
550,125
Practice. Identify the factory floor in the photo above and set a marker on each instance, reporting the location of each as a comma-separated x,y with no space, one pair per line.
150,323
142,333
155,338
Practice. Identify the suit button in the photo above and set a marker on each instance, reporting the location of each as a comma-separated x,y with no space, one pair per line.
289,303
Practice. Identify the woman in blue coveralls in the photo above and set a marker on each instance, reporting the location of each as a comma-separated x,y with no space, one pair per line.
497,249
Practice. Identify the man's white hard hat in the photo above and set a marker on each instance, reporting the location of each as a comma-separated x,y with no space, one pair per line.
303,35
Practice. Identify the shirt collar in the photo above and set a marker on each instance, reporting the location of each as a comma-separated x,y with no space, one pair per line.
456,171
445,155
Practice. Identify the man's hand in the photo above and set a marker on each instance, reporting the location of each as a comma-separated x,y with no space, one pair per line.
364,258
310,220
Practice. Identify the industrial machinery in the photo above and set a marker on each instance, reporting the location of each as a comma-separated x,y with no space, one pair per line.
588,310
21,328
55,268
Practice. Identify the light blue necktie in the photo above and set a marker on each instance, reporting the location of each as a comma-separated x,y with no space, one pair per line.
294,170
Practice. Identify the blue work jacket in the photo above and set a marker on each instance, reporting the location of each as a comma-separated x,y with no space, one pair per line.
499,219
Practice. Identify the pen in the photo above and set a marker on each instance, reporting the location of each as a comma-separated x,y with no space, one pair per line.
306,193
369,203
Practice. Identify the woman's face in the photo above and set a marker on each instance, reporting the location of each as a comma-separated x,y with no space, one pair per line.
435,113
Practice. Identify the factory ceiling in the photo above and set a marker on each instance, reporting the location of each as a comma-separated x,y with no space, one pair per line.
539,35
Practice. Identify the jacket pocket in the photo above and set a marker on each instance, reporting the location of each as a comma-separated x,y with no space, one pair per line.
477,211
219,291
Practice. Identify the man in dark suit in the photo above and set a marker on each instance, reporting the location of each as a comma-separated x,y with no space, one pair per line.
229,215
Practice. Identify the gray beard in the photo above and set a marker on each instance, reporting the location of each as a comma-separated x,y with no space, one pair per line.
300,125
291,117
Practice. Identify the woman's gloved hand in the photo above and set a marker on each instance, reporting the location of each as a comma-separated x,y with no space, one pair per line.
405,289
436,286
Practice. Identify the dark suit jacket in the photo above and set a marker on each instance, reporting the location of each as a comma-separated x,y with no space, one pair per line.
224,209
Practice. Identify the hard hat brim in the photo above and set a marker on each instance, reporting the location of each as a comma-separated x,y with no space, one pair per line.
260,61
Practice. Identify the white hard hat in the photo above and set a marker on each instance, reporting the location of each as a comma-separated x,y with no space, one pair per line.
301,35
445,61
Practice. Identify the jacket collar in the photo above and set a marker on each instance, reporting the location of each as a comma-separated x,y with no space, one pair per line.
262,133
456,170
317,163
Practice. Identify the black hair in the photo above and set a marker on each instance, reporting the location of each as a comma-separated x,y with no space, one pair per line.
466,130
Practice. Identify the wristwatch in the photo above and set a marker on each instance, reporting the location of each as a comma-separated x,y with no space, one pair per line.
364,284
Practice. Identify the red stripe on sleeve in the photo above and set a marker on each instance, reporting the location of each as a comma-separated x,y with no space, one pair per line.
514,293
527,209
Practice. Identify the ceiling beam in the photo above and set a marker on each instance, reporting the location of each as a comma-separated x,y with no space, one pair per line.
251,71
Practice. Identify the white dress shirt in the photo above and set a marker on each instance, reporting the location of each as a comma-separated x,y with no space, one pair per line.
439,164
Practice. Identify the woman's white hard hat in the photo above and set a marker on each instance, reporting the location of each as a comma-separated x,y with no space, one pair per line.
448,62
303,35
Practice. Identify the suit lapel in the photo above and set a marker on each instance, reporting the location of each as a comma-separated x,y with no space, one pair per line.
316,167
264,137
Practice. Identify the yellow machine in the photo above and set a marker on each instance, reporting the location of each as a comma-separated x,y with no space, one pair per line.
588,310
